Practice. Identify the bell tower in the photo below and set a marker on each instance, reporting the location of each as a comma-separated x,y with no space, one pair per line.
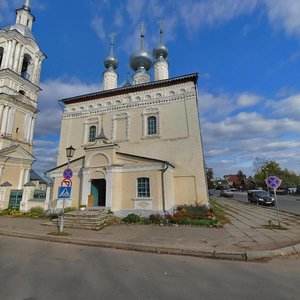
20,69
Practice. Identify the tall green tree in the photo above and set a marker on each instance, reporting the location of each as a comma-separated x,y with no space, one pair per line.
264,168
210,177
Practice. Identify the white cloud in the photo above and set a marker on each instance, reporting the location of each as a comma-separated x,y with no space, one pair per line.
240,136
213,12
284,14
48,123
246,99
288,107
98,24
134,9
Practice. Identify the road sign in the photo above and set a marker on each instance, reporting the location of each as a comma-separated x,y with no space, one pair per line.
64,192
66,182
273,182
68,173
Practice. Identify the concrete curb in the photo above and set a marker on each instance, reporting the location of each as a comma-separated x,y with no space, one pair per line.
238,256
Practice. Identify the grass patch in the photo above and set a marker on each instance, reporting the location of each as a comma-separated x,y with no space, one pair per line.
219,211
273,226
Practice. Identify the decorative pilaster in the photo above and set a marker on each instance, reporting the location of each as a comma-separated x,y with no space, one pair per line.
4,120
109,187
9,45
20,185
4,195
31,130
11,117
1,112
17,57
86,187
28,193
19,69
12,54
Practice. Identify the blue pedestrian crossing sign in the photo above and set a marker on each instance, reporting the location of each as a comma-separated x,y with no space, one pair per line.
64,192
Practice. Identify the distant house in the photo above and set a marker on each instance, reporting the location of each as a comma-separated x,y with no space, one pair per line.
39,182
235,181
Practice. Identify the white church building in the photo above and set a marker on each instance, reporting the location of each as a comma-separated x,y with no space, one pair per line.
138,146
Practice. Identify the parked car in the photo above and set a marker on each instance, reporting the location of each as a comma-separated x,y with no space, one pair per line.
226,193
260,197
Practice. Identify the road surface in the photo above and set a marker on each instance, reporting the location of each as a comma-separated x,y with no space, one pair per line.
285,202
37,270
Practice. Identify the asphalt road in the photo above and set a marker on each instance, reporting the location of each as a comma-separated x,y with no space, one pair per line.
285,202
36,270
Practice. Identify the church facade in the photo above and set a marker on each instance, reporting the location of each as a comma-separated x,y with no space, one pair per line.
138,147
20,68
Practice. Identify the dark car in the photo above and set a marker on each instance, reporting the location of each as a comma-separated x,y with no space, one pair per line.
260,197
226,193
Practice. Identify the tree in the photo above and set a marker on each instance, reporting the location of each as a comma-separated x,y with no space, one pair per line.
210,177
264,168
242,179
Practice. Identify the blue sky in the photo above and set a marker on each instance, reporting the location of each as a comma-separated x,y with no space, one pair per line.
247,53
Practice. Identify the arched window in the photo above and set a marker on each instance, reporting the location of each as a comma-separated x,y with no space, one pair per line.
22,92
92,134
25,73
152,125
1,55
143,187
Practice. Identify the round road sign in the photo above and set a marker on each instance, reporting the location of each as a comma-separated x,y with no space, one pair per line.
273,182
68,173
66,182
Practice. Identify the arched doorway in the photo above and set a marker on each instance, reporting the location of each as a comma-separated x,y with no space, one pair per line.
98,190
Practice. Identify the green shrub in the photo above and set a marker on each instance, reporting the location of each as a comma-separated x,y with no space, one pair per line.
155,219
145,221
36,210
132,219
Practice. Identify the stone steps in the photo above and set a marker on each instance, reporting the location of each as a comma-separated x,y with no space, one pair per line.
93,220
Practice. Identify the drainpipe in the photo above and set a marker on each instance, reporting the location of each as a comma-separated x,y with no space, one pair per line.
163,186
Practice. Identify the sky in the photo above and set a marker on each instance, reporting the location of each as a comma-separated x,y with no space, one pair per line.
247,54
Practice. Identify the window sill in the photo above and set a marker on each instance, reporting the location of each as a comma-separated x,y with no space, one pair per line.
142,199
149,137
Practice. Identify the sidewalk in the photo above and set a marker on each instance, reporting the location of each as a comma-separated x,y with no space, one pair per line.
244,239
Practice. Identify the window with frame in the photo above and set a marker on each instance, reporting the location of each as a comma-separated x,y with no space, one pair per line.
152,125
92,134
143,187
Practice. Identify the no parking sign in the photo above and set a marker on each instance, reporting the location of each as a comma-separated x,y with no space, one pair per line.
273,182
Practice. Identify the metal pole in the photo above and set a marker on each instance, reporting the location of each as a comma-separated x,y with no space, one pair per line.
275,195
61,227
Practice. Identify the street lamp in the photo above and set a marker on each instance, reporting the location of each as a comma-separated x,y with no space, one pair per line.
69,153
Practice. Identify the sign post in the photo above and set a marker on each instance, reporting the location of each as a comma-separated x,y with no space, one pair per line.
64,192
274,182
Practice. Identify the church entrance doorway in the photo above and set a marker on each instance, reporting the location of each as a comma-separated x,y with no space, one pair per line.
98,190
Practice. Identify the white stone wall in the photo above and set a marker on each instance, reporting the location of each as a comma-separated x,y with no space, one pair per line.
177,140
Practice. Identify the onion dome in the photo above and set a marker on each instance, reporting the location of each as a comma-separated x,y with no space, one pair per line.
141,59
111,61
160,51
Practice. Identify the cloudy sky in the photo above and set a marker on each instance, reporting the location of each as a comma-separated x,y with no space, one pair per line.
247,53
